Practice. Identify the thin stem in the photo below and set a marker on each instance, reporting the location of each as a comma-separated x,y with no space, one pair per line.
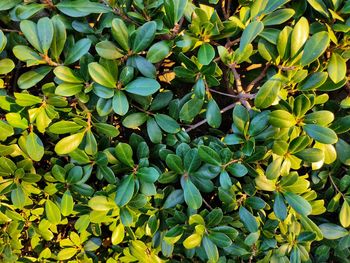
239,96
223,4
237,78
284,68
206,203
258,78
335,186
11,30
140,109
233,42
192,127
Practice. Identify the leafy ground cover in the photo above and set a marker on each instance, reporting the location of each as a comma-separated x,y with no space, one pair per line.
174,131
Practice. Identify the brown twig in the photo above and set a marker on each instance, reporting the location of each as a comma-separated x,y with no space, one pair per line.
284,68
238,96
140,109
257,79
223,7
11,30
207,204
232,43
237,78
194,126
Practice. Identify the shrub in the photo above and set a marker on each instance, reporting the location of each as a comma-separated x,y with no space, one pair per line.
175,130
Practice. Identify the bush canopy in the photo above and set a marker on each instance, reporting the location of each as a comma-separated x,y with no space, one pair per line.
174,131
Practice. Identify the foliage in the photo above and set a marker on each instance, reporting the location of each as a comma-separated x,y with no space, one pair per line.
174,131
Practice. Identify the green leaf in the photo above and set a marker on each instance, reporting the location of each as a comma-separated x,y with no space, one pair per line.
124,154
282,119
18,197
192,241
300,34
175,164
174,10
90,143
101,203
6,130
192,195
69,144
310,155
52,211
29,30
237,169
67,253
321,134
80,8
3,40
16,121
336,68
27,11
59,38
107,129
77,51
63,127
6,66
107,174
313,81
144,36
135,120
145,67
298,203
120,33
319,6
191,109
315,47
220,239
210,249
248,220
267,94
333,231
206,54
322,117
67,75
120,103
125,191
343,151
106,49
208,155
250,33
344,214
67,203
142,86
8,4
278,17
153,131
174,198
118,234
101,75
279,207
240,117
45,33
32,77
158,51
167,123
213,114
34,147
68,89
148,174
27,54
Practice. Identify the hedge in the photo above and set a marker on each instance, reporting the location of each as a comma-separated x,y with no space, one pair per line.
174,131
